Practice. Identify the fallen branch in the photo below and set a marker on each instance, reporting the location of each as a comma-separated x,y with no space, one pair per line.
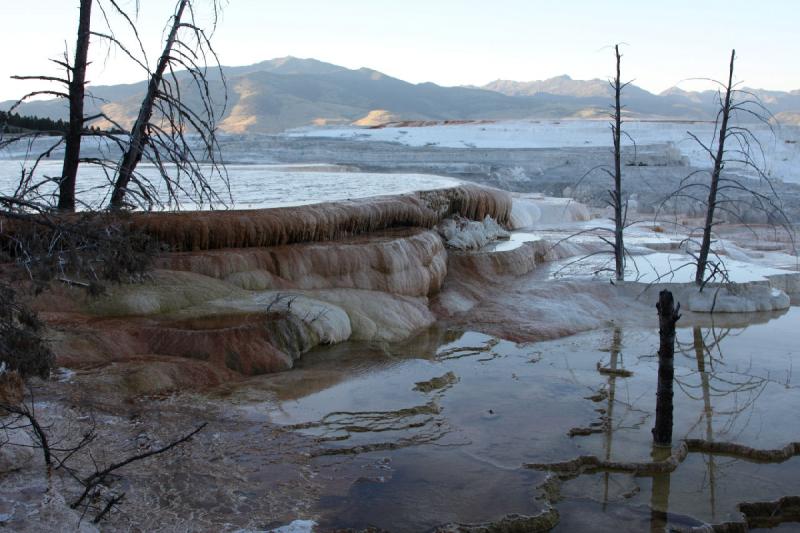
745,452
111,503
74,283
26,413
95,479
592,464
771,514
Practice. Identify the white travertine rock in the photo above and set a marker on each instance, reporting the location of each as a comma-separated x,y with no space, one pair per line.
745,298
528,210
463,234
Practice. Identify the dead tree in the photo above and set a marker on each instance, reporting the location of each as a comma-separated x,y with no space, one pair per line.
616,194
617,202
164,141
138,138
725,112
77,88
668,315
733,146
74,91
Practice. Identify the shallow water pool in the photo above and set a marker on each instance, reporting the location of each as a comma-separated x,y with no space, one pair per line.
439,430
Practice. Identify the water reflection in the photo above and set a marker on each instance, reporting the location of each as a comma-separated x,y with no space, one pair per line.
659,492
725,393
478,408
615,362
701,348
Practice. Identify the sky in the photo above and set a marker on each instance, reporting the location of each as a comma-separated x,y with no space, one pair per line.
449,42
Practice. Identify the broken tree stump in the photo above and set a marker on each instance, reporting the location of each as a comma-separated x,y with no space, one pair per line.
668,315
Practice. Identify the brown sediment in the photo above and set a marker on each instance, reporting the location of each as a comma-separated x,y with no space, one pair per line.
757,515
740,451
465,351
11,388
600,396
587,464
436,383
152,375
599,427
245,343
591,463
212,230
379,446
173,314
373,244
512,523
550,489
247,349
771,514
410,262
363,421
618,372
339,426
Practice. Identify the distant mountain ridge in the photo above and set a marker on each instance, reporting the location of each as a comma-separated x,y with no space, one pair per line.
559,85
284,93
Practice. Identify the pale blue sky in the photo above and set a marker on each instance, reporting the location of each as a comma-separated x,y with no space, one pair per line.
453,42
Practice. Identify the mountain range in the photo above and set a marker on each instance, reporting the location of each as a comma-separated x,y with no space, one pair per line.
280,94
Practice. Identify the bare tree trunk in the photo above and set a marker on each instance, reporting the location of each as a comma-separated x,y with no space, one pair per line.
139,135
705,247
77,85
668,315
619,246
